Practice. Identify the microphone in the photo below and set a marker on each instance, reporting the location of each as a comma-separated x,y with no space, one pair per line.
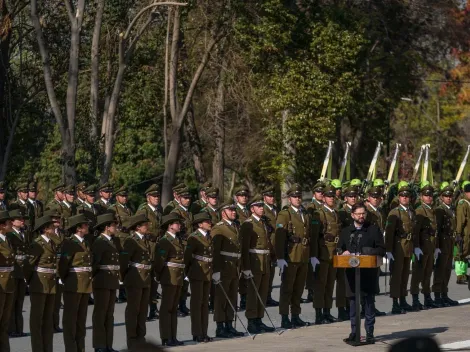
351,238
358,249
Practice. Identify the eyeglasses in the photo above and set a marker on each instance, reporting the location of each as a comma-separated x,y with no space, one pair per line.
360,214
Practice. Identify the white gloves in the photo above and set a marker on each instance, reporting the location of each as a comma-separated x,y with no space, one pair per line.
314,261
60,282
247,274
390,256
437,251
418,252
186,278
281,263
216,277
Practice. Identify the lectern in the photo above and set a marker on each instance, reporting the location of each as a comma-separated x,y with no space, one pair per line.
357,262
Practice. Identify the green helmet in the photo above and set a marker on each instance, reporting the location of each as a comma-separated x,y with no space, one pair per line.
403,184
424,183
464,183
355,182
444,185
378,182
336,183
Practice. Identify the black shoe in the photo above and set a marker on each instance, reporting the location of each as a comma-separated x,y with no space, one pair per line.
438,300
378,313
449,301
91,301
429,303
417,306
253,327
178,343
285,322
122,295
183,309
404,305
58,330
297,322
319,317
397,309
343,314
270,302
327,316
242,302
263,327
153,312
229,327
370,339
350,338
310,296
222,332
169,343
208,339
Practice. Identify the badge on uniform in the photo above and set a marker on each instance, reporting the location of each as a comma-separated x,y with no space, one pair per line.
279,225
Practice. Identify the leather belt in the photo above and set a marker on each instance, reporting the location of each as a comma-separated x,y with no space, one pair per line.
406,236
110,267
231,254
45,270
259,251
20,257
6,269
331,238
175,265
80,269
140,266
202,258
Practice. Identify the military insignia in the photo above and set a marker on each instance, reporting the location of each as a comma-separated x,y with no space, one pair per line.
279,225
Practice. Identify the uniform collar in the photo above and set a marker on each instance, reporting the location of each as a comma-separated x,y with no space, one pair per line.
47,239
327,207
31,201
107,236
373,208
202,231
81,239
3,237
255,217
139,234
151,207
171,234
104,201
404,208
228,222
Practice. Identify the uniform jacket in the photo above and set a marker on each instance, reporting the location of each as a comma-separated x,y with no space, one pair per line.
242,214
255,236
197,206
106,252
27,209
20,247
445,228
76,254
170,250
199,245
376,217
7,259
101,206
424,229
463,224
155,220
225,238
139,251
327,228
42,254
213,213
121,211
172,204
399,230
345,215
38,208
187,219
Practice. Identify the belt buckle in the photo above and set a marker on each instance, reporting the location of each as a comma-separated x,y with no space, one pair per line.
408,237
336,239
305,241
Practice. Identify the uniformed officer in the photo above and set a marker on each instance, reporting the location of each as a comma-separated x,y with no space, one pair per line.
399,246
293,245
226,259
3,189
463,223
256,264
7,282
212,195
198,268
41,275
59,196
19,241
173,203
339,192
106,277
201,203
375,214
69,207
327,229
32,198
270,215
169,270
21,203
106,193
242,195
89,209
81,197
75,270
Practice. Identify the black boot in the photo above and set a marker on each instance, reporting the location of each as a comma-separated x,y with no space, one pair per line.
229,327
327,316
122,297
396,308
318,316
153,312
404,305
350,338
417,306
438,300
310,296
428,302
449,301
370,339
297,322
183,309
222,332
343,314
242,302
285,322
263,327
253,327
270,302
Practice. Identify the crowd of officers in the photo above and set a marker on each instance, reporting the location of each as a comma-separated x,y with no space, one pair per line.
77,251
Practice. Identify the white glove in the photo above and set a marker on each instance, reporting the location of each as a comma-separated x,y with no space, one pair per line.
247,273
186,278
390,256
216,277
314,261
60,282
281,263
437,251
418,252
121,283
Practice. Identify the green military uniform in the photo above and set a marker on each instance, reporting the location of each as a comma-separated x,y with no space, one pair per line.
375,216
197,206
20,242
68,209
7,283
445,228
90,211
25,207
41,275
75,270
170,273
122,211
243,213
399,242
102,205
37,204
424,237
463,224
198,268
106,277
56,204
212,192
173,203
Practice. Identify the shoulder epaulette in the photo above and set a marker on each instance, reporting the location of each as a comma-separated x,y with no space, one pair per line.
141,206
220,223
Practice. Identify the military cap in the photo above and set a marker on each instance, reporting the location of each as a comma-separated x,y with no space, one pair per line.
153,190
294,191
3,187
212,192
59,188
351,191
355,182
205,186
4,216
104,220
76,220
90,190
201,217
170,219
242,191
404,191
105,187
22,187
33,186
329,191
136,220
378,182
444,185
81,186
375,191
447,191
403,184
424,183
53,213
17,214
319,187
178,186
123,191
466,188
268,191
227,204
43,222
256,200
184,192
70,189
465,183
336,183
427,190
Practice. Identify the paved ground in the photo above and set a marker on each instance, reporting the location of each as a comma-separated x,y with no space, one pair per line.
449,325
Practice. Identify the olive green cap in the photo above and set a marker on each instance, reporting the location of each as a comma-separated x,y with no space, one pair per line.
70,189
205,186
200,217
136,220
76,220
256,200
17,214
33,186
81,186
59,188
170,219
447,191
184,192
122,191
22,187
427,190
227,204
104,220
53,213
375,191
294,191
319,187
268,191
178,187
404,191
43,222
4,216
351,191
105,187
153,190
212,192
90,190
329,191
336,183
242,191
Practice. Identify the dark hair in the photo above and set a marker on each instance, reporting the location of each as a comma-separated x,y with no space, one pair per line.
358,206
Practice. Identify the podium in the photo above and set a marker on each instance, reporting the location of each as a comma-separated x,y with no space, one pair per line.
357,262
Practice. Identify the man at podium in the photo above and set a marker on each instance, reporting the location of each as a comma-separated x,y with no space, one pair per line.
361,237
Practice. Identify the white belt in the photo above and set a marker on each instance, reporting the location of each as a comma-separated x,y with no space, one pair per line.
175,265
259,251
6,269
21,257
230,254
45,270
80,269
201,258
110,267
140,266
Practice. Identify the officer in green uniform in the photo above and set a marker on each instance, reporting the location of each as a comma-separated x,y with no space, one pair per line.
350,196
41,275
37,204
327,228
201,203
19,241
137,278
339,192
226,240
169,270
21,203
7,281
75,270
270,215
293,244
81,197
395,201
212,195
89,209
399,247
463,225
3,189
445,228
256,264
106,192
173,203
198,268
59,196
70,208
242,194
106,277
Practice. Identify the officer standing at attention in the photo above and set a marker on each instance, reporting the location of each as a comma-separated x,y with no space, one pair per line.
37,204
103,204
201,203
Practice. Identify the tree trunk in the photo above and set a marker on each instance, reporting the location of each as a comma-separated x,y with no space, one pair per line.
195,146
171,165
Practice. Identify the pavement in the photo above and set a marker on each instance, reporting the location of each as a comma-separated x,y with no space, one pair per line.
449,326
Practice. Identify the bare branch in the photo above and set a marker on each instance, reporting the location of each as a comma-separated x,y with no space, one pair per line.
172,81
